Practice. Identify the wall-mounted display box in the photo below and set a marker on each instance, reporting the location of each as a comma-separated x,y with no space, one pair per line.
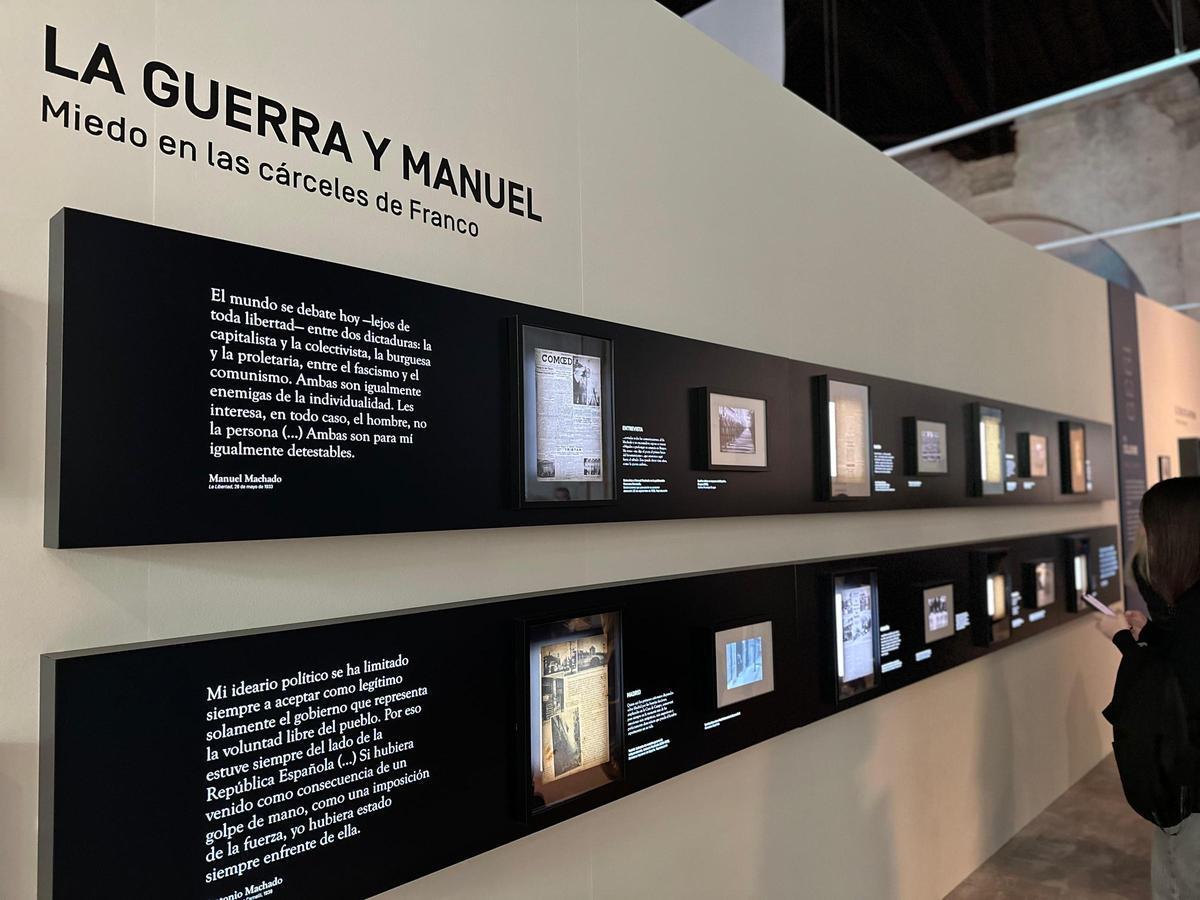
307,757
202,390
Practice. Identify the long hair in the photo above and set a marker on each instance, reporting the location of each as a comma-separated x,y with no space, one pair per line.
1171,516
1137,559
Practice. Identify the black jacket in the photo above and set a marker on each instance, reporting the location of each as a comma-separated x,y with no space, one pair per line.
1176,639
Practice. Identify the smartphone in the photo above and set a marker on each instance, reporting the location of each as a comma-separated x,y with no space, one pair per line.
1093,600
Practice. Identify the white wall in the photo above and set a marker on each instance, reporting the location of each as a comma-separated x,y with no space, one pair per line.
681,191
1169,350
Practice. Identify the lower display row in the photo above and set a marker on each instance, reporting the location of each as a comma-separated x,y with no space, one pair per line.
344,758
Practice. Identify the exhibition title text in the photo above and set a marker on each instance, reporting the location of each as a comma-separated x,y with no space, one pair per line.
208,99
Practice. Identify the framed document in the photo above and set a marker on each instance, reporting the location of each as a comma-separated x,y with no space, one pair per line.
1039,588
1033,460
745,663
1079,568
925,451
992,606
856,634
988,440
735,431
565,417
575,728
844,455
937,608
1164,468
1072,450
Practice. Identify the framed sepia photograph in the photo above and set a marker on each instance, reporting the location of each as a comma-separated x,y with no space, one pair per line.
844,450
1072,450
987,472
937,612
1033,455
856,634
736,431
564,417
575,728
1039,589
745,663
925,450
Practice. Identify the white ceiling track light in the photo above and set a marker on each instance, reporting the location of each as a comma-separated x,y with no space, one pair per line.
1117,232
1011,115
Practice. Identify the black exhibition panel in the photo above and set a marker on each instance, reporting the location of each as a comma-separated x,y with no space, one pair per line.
178,408
346,757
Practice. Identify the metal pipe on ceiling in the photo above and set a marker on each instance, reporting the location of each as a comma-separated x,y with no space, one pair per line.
1010,115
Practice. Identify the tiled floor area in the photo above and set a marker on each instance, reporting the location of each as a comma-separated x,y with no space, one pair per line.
1088,845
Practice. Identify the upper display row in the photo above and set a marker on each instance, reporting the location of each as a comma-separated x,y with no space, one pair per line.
201,390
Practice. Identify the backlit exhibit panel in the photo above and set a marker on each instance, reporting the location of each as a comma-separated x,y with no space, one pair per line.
341,758
203,390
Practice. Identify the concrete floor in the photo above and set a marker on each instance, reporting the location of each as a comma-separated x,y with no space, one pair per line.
1087,845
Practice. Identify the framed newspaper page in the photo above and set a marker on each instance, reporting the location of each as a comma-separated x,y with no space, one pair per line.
744,658
991,592
926,449
987,439
576,732
1079,573
855,615
735,431
844,446
564,417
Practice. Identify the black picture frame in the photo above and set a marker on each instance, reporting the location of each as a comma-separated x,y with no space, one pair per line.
825,436
705,396
1029,583
1073,470
1164,468
980,484
912,448
1077,563
852,690
601,786
1025,455
532,490
991,599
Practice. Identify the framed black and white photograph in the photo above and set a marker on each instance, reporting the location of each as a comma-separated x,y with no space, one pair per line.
925,449
857,651
937,612
745,663
1039,589
1072,450
844,448
735,430
565,418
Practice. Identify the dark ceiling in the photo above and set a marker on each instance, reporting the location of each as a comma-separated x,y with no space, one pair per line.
895,70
